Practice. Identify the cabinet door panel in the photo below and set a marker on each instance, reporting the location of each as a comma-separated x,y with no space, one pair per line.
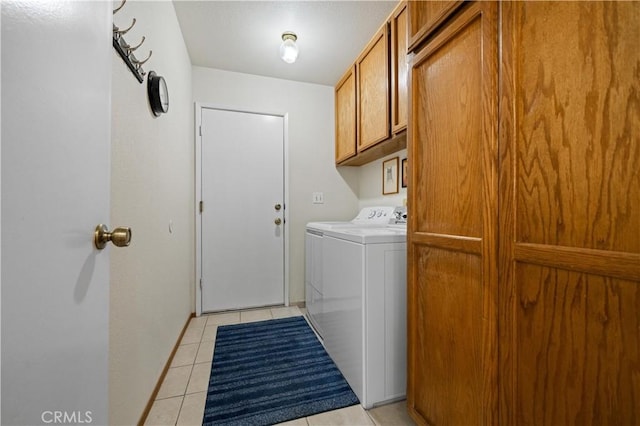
425,16
447,370
452,227
579,348
578,157
569,293
399,70
346,116
448,126
373,92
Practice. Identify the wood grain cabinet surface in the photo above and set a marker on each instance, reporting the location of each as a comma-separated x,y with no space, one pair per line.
372,75
345,98
452,230
426,16
399,69
524,224
569,300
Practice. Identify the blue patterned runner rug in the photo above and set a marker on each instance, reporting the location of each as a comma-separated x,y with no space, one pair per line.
272,371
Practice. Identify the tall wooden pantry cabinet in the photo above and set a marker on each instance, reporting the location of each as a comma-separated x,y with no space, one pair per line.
524,213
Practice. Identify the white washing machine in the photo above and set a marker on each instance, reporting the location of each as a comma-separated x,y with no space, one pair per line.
314,292
364,309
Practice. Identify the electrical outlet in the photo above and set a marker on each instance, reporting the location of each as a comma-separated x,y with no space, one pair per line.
318,198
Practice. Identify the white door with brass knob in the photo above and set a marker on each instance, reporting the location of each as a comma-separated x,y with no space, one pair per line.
242,223
56,128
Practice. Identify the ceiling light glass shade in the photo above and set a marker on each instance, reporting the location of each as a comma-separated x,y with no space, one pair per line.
288,48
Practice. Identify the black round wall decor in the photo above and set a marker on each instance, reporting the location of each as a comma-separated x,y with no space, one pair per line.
158,93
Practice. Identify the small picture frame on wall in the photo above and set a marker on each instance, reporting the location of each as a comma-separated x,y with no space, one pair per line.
405,175
390,176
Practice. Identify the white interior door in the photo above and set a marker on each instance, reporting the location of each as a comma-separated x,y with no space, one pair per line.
56,121
242,229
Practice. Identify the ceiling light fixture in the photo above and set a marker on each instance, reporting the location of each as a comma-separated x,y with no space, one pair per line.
289,48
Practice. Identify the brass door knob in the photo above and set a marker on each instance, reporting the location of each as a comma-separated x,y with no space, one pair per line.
278,221
277,207
120,237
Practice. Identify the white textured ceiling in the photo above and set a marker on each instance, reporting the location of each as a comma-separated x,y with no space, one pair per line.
245,36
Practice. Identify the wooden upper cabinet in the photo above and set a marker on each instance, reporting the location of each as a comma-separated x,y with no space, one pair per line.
399,69
379,106
346,116
425,17
372,73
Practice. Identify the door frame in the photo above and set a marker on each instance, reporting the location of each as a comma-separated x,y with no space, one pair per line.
199,107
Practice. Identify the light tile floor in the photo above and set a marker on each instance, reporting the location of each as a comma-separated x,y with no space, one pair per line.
182,396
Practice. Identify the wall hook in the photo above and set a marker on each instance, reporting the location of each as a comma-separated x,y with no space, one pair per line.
120,32
140,63
133,49
119,7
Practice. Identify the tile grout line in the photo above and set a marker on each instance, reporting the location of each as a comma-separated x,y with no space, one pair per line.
192,365
371,418
179,411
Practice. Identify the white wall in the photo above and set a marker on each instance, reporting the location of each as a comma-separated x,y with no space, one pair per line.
152,281
311,149
370,184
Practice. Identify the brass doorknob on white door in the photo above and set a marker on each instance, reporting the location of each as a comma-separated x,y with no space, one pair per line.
277,207
120,237
278,221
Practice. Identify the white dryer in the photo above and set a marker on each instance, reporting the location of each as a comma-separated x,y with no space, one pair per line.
364,309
